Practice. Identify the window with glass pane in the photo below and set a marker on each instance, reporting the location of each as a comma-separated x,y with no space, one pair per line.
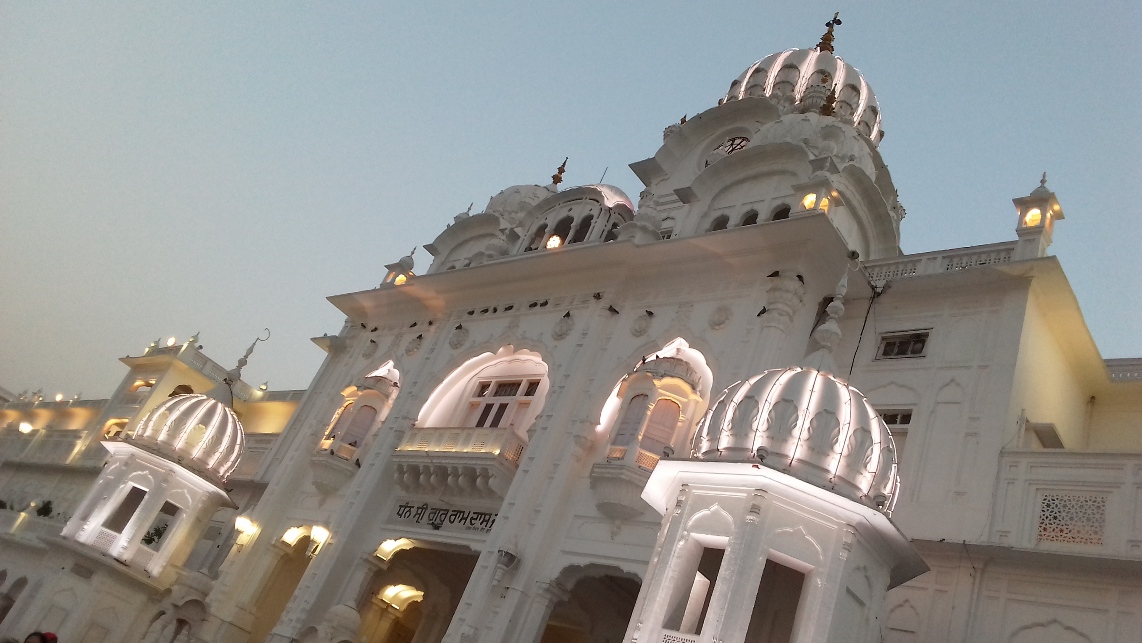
902,345
497,403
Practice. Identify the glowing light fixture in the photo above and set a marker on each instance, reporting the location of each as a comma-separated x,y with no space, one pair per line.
399,280
26,427
399,596
59,397
317,537
246,529
1033,217
554,242
171,341
824,205
810,201
292,535
388,548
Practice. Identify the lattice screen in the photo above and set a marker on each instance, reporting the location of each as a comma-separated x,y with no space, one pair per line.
1072,518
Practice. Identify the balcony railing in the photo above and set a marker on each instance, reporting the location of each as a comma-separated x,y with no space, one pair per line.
1068,501
641,458
932,263
462,461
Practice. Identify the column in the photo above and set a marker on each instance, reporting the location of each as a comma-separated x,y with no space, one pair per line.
748,565
107,482
125,546
539,610
784,298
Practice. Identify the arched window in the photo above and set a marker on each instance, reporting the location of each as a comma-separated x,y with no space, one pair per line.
781,212
660,426
563,229
750,218
632,421
537,238
358,427
611,234
582,230
720,223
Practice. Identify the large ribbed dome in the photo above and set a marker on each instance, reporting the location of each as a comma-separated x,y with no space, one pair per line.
799,80
197,431
808,424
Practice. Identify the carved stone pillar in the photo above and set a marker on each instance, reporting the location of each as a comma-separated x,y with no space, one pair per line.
548,594
784,298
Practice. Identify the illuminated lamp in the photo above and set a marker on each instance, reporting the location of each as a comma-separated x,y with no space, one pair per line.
246,529
171,342
1032,218
317,537
399,596
26,427
59,397
817,195
292,535
400,280
554,242
390,547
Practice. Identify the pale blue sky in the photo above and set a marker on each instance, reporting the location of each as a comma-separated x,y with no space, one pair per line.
174,167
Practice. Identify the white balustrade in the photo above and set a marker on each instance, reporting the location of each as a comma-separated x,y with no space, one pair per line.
931,263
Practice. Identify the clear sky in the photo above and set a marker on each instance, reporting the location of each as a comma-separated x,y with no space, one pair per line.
173,167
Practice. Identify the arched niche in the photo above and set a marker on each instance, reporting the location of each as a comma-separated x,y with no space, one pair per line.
366,404
657,405
482,392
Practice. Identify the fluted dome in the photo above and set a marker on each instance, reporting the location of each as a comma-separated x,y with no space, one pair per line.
199,432
511,203
799,80
808,424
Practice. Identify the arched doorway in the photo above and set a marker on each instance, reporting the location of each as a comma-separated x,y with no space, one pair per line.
413,599
598,606
283,580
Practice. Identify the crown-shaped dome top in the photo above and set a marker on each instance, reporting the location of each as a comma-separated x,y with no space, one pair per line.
801,80
808,424
197,431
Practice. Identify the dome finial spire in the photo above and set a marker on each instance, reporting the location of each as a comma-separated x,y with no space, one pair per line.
828,334
557,178
1043,181
826,43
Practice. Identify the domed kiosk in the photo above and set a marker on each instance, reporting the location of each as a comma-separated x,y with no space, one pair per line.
164,482
783,505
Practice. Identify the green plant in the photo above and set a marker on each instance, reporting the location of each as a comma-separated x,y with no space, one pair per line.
154,535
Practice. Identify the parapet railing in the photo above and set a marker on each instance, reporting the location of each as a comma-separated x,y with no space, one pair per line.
881,271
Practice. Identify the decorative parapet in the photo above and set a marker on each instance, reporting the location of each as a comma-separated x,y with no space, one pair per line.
882,271
1061,501
458,461
1125,370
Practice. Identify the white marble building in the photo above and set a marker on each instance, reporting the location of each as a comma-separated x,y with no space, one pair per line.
591,421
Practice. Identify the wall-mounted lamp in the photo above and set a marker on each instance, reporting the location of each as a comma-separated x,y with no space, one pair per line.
26,427
317,537
390,547
246,529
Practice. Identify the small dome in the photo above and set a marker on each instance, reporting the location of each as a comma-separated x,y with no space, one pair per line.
808,424
799,80
513,202
196,431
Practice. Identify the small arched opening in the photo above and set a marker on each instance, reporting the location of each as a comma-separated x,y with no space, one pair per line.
582,229
750,218
594,603
779,213
721,222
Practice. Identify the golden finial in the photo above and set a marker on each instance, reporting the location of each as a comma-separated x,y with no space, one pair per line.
826,43
830,104
557,178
